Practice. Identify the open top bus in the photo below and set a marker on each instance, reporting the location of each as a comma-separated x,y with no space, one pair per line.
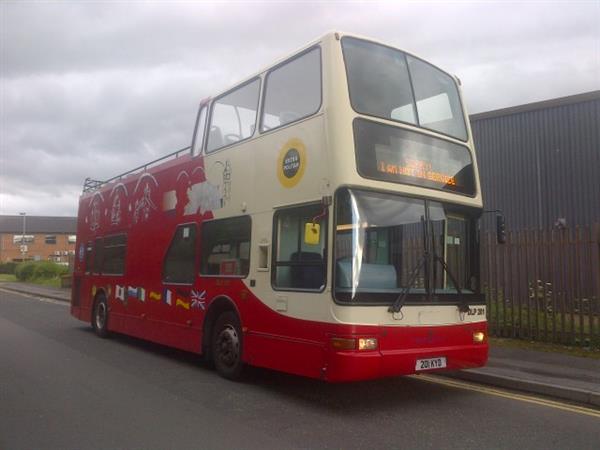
323,222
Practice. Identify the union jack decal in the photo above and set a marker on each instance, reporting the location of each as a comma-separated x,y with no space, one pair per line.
198,299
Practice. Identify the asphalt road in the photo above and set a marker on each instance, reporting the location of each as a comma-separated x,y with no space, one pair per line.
62,387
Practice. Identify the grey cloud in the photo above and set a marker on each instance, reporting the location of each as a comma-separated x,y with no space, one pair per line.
96,88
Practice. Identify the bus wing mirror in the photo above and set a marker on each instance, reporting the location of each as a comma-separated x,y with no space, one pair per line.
312,233
500,229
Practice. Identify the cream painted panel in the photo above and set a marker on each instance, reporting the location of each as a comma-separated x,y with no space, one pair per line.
272,193
231,173
409,316
312,184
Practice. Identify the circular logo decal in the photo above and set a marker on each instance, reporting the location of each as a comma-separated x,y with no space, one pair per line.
291,163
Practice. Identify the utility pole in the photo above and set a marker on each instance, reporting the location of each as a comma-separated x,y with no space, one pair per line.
23,247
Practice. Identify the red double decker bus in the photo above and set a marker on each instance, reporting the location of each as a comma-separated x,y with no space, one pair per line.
322,223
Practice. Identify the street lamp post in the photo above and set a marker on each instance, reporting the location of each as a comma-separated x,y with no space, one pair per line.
23,251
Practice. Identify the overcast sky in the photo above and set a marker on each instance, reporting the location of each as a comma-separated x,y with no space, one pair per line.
96,88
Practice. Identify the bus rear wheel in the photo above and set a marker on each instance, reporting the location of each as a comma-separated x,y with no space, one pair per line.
227,346
100,316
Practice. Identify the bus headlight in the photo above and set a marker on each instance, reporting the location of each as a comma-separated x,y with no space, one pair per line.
367,344
478,337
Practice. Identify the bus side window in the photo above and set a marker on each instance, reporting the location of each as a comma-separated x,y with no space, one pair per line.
200,126
226,247
97,258
89,248
233,116
178,266
292,91
113,254
296,264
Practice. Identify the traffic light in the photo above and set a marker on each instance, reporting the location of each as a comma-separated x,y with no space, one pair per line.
500,229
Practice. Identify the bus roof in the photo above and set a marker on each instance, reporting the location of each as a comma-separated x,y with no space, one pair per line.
337,35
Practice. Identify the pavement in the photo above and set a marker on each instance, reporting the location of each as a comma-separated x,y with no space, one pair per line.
557,375
63,294
572,378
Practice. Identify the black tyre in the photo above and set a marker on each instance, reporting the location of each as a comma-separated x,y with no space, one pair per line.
100,316
226,346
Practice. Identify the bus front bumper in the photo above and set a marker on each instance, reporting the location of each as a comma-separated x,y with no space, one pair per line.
355,366
403,351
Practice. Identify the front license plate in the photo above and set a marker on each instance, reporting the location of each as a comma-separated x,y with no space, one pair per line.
431,363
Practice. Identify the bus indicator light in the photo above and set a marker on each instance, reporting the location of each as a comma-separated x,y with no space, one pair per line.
343,343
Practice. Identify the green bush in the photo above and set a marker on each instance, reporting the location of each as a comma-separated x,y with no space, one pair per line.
24,270
8,267
39,270
48,269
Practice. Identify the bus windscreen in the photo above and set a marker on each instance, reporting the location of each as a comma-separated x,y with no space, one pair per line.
389,84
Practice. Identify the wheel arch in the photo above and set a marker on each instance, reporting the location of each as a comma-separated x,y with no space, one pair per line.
100,292
219,305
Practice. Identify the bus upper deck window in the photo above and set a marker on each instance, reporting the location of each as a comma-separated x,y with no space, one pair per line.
200,126
292,90
233,116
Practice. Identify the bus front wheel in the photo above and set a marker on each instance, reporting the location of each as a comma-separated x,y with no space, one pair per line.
227,346
100,316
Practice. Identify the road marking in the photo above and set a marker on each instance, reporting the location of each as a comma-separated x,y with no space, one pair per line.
35,297
507,394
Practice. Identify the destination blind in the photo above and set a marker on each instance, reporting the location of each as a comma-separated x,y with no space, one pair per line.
394,154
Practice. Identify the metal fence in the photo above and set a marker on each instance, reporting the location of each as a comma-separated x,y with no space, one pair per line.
544,285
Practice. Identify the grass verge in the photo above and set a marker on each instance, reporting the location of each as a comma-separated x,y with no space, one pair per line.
7,277
50,282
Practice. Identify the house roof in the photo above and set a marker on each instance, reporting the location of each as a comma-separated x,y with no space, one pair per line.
38,224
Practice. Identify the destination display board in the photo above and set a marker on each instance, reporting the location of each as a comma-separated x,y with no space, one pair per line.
389,153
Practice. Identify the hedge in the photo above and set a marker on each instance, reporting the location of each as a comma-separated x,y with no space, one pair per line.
8,267
36,270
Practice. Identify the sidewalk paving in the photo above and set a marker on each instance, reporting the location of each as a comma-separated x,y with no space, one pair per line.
63,294
573,378
556,375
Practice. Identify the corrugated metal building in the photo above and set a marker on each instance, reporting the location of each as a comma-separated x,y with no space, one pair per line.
540,162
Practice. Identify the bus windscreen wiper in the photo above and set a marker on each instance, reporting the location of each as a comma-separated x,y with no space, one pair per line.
423,261
463,305
399,302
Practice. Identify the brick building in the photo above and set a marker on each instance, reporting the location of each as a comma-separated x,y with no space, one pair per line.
37,238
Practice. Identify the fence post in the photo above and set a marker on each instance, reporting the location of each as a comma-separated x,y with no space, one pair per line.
563,284
508,283
556,243
543,279
595,268
585,286
538,276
